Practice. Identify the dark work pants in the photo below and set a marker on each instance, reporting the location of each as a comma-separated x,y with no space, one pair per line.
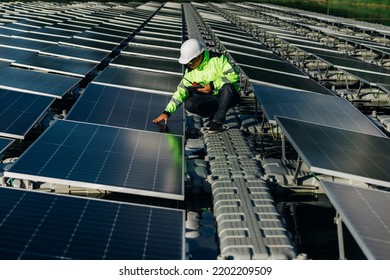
213,106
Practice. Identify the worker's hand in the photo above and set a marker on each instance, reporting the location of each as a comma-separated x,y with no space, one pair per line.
162,117
206,89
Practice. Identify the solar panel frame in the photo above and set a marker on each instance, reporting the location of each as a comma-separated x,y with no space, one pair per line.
338,152
106,158
53,226
125,108
365,213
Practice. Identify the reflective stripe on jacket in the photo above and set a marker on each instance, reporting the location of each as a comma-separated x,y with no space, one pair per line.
214,68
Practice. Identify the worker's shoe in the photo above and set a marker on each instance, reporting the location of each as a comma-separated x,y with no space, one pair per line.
215,127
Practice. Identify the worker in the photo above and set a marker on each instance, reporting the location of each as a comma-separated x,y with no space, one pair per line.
210,86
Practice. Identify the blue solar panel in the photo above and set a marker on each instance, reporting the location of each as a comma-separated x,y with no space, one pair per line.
107,158
125,108
138,79
316,108
366,214
148,63
36,225
35,82
341,153
4,144
58,65
20,111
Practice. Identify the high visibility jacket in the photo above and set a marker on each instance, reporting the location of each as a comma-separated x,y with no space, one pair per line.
215,70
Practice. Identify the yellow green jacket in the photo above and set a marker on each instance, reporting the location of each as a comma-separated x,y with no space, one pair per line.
215,70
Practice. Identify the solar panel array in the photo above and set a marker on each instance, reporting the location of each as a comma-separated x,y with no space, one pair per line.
44,226
108,142
311,116
261,66
68,47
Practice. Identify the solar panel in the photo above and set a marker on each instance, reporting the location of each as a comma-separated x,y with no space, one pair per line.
125,108
238,41
37,225
106,158
76,53
35,82
23,44
347,62
88,44
262,76
138,79
4,144
365,212
367,77
156,43
341,153
111,31
57,65
168,31
107,38
55,31
384,87
148,63
20,111
161,36
10,54
316,108
51,39
267,64
251,51
173,54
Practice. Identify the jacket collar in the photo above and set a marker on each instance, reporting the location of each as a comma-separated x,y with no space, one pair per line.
206,58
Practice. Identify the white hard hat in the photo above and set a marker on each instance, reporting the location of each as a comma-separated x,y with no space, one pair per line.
189,50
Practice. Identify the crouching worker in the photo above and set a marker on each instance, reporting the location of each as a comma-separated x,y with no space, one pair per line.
210,85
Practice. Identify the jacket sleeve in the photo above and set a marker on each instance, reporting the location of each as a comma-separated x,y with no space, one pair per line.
178,97
228,74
